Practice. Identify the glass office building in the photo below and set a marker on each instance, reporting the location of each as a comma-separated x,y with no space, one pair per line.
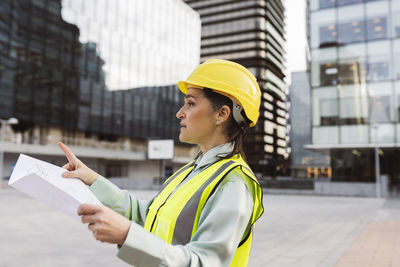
66,64
252,34
355,79
142,42
304,163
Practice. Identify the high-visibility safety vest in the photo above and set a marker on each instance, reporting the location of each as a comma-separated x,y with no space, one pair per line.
174,217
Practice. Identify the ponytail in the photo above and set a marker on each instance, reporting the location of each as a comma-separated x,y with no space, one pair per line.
235,132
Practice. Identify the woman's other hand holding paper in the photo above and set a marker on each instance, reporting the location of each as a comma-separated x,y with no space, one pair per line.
106,224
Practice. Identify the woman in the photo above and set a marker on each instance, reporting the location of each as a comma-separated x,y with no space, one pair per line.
205,212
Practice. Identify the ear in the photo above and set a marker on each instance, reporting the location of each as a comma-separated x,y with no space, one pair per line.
223,114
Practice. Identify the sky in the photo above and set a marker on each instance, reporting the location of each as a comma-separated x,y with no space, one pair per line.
295,36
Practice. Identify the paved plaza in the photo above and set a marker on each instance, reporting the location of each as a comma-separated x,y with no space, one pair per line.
294,231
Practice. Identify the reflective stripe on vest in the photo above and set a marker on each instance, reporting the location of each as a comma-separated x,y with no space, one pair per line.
181,210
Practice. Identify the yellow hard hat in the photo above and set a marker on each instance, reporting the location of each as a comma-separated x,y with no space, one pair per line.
230,79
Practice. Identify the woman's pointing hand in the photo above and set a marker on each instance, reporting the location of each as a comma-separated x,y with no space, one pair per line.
76,168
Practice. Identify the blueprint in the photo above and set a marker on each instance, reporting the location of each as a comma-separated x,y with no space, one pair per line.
43,181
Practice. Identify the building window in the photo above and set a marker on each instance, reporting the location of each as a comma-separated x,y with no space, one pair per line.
353,110
329,112
353,134
396,23
329,74
325,107
379,109
397,65
344,73
327,3
357,30
398,108
352,166
328,35
333,3
325,135
377,28
351,32
83,118
113,170
351,72
377,68
348,2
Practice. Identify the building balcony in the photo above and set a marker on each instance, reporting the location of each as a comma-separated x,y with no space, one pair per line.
122,149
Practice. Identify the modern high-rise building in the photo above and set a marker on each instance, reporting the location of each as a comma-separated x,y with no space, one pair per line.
355,80
98,75
251,33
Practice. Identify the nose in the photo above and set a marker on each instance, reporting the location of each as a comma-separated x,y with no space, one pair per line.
180,113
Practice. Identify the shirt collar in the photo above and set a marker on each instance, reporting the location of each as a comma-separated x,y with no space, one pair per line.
214,154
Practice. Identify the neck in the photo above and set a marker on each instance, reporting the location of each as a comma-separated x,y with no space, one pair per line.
211,143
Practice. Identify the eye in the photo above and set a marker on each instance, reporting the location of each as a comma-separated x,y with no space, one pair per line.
190,103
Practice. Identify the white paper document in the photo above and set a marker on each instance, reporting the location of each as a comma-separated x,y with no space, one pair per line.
44,181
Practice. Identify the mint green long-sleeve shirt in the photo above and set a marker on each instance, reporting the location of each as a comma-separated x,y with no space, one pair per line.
225,219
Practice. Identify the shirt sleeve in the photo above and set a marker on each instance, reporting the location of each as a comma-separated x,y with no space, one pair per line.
224,221
120,201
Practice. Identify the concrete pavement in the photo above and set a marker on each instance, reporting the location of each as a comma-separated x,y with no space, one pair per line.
377,245
319,231
294,231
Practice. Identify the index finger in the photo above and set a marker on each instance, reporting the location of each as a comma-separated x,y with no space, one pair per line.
68,153
87,209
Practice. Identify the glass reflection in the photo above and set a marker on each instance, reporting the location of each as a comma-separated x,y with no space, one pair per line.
54,73
138,41
379,109
329,112
351,72
353,110
377,68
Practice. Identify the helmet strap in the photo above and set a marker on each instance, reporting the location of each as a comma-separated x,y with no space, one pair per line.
237,114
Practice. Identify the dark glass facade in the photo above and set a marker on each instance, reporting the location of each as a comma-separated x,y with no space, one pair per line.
252,34
39,64
49,78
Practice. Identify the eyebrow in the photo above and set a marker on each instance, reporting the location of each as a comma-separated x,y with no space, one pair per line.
189,96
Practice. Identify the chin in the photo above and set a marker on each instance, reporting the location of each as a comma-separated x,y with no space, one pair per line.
184,139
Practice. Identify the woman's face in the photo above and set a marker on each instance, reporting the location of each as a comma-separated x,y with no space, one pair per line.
197,117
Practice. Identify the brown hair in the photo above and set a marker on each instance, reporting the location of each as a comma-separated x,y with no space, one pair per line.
234,131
